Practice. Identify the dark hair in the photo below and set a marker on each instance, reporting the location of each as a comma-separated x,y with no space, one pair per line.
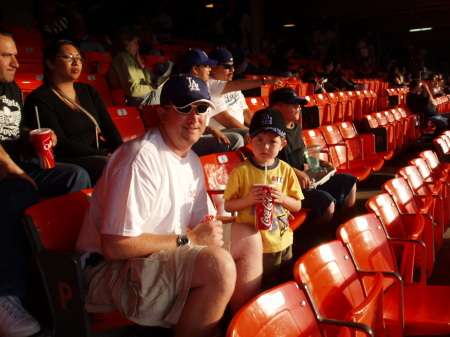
124,35
6,32
414,84
52,50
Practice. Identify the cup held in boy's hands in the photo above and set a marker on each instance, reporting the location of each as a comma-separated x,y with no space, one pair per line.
43,146
264,209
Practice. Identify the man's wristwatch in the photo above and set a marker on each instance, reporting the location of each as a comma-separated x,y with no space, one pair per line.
183,240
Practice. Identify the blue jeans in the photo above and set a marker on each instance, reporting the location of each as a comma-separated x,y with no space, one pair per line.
16,195
59,180
207,144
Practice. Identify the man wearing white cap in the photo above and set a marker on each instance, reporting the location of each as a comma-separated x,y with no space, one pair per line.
148,250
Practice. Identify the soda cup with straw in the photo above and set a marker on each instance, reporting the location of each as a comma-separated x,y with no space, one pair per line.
264,209
43,146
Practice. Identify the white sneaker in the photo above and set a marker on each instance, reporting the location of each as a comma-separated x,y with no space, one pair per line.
15,321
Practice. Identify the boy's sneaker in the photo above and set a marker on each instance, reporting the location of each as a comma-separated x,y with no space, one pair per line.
15,321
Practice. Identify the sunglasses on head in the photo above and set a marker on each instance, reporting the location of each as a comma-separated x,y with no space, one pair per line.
201,109
226,65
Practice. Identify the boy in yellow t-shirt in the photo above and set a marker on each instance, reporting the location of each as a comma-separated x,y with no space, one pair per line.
267,138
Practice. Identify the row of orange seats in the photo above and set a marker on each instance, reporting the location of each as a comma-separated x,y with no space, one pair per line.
372,280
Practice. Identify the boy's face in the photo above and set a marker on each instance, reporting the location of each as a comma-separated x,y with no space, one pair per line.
290,112
266,146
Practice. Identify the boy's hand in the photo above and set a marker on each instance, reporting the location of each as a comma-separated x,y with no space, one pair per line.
255,195
277,196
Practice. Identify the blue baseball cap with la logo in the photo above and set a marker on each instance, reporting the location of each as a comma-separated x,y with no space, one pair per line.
195,57
267,120
183,90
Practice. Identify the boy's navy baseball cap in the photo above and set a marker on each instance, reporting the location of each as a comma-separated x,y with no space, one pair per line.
267,120
286,95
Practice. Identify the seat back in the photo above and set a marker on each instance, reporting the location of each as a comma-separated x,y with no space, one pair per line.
28,82
400,192
336,290
433,162
255,103
128,121
333,135
398,226
281,311
149,115
99,82
367,243
325,112
97,62
217,167
415,181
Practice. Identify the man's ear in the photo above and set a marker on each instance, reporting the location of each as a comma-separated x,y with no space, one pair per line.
247,138
162,112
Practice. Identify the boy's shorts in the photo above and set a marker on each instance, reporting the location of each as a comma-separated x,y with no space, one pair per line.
149,291
277,268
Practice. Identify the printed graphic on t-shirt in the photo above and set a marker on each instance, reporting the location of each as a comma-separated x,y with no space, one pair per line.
232,98
9,119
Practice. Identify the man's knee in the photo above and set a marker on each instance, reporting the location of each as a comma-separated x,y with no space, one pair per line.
215,266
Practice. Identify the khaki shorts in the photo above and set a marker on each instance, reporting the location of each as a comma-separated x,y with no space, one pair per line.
149,291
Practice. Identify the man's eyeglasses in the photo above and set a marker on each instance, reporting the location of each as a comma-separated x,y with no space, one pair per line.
226,65
70,58
201,109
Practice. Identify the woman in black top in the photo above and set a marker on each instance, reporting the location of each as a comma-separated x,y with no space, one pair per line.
73,110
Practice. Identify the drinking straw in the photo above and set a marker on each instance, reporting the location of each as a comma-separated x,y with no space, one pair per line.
37,117
265,173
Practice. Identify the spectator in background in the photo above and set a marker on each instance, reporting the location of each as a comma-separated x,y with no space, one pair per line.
161,22
158,261
237,116
396,77
420,100
74,110
127,70
21,183
327,77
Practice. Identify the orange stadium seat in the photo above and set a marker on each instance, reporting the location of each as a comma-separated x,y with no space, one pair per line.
128,121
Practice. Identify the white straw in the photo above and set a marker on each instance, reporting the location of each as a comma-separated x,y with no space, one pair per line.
265,173
37,117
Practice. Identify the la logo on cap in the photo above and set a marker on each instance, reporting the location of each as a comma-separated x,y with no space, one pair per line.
193,86
266,119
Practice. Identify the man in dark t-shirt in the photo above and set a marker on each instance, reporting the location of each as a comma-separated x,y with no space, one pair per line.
21,183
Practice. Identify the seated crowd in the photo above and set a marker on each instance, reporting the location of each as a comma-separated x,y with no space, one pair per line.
124,243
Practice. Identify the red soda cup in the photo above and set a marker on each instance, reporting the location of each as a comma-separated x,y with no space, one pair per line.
43,146
264,209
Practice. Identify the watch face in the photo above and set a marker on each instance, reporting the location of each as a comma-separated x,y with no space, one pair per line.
183,240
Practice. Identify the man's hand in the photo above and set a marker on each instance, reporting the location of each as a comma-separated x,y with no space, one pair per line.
277,82
303,179
8,169
54,138
207,234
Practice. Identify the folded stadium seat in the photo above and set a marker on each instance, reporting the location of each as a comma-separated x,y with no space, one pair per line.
344,107
99,82
97,62
438,191
384,134
150,61
408,235
396,131
255,103
393,98
371,99
354,149
52,228
335,154
402,92
360,107
29,54
337,113
414,124
367,140
442,148
405,126
334,285
382,96
128,121
407,202
438,169
30,36
325,113
350,114
27,82
409,308
149,115
287,310
30,67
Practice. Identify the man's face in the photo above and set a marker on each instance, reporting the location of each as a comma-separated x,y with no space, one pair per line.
291,112
223,71
201,71
8,61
